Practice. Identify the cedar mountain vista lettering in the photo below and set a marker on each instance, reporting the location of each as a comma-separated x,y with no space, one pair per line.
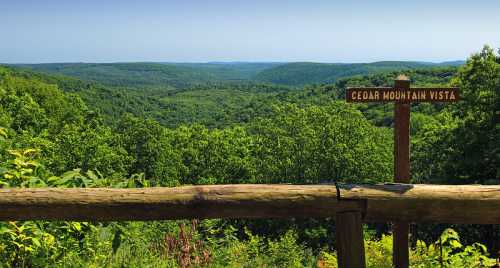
403,95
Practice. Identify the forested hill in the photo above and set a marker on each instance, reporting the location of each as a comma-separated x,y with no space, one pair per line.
302,73
183,75
138,74
223,104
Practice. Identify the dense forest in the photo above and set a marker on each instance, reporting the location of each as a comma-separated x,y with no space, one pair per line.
155,124
303,73
182,75
148,75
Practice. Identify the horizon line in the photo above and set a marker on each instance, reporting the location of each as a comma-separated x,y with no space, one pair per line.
227,62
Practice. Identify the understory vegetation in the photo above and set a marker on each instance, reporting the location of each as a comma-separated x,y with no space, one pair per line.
58,131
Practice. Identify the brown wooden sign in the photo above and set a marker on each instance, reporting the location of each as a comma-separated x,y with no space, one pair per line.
402,95
389,94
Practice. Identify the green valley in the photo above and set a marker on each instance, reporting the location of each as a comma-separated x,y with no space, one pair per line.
131,125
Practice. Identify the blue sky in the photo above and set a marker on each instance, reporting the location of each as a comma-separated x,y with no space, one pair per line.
253,30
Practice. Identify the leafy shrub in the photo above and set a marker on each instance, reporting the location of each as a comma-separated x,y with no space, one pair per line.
446,252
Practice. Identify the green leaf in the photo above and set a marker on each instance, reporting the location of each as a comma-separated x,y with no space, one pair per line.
4,229
71,174
3,132
455,244
77,226
36,242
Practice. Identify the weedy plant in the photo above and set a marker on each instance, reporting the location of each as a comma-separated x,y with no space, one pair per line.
186,247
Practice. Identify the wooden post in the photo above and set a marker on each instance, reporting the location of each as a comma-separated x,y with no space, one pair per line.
349,239
402,95
401,170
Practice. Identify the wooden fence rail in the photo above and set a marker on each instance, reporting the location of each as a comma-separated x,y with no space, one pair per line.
349,205
376,203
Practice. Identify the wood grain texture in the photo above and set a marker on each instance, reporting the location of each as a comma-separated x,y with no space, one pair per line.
401,172
382,203
349,240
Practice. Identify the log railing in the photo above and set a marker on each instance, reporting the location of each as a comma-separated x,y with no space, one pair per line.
348,204
377,203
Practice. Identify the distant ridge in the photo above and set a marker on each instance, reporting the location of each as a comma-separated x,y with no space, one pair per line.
180,75
302,73
147,74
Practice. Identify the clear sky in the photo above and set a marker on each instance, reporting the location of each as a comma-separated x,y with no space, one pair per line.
250,30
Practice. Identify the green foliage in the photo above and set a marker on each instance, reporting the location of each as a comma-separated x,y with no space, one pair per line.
314,144
223,104
22,171
255,251
449,252
285,252
146,142
217,156
181,75
32,106
302,73
148,133
154,74
445,252
463,146
88,146
77,178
